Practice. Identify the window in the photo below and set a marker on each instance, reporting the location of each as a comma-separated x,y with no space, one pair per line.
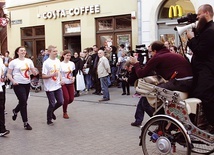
37,31
114,31
105,24
72,27
123,23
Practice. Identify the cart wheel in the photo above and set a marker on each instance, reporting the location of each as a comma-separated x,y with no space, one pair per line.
164,135
201,147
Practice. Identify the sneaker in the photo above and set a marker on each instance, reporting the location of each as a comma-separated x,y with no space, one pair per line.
53,116
136,95
135,124
27,127
123,93
6,132
14,115
65,115
49,122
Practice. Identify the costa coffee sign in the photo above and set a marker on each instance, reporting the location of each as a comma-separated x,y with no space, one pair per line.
93,9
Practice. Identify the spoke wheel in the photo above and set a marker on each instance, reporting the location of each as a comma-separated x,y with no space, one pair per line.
162,135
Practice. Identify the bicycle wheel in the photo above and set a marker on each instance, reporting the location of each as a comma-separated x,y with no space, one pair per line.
164,135
201,147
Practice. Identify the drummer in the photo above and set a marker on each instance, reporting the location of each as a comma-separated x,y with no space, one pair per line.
171,66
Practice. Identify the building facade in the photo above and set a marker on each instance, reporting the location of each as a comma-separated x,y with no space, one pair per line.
155,22
70,24
76,24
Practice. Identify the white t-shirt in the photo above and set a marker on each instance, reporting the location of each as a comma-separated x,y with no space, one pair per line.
2,70
21,70
66,70
49,67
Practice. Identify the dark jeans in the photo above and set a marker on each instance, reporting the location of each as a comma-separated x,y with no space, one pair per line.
68,95
142,107
104,86
113,74
22,93
88,81
55,99
2,108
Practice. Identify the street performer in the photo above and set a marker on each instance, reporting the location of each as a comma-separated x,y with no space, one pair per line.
202,46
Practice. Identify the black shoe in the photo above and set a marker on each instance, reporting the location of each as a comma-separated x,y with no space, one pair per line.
104,99
94,93
14,115
53,116
6,132
123,94
49,122
135,124
27,127
128,94
77,95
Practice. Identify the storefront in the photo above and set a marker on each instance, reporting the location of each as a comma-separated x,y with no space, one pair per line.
72,25
77,24
159,18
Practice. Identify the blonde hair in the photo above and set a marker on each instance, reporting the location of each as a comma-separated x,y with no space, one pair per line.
51,47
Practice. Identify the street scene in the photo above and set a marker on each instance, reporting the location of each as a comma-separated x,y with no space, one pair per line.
102,78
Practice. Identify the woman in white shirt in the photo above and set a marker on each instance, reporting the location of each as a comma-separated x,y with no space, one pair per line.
66,68
19,74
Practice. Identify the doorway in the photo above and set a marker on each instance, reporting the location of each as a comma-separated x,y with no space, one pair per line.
73,43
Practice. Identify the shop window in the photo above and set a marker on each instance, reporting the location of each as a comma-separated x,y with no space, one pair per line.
39,31
105,24
27,32
114,31
33,31
33,38
72,27
106,40
123,23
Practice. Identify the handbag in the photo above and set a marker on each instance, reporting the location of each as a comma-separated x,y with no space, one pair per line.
146,86
80,82
85,70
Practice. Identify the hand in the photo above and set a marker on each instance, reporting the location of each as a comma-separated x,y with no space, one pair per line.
14,82
133,60
35,71
190,34
62,82
55,74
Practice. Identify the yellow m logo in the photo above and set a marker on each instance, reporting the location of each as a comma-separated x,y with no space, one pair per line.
175,11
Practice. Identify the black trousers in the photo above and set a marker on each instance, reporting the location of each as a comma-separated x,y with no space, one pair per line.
2,108
22,93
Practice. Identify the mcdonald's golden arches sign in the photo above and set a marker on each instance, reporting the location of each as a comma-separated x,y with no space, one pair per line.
175,11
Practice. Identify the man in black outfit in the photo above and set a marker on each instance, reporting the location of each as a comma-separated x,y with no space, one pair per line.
95,79
202,46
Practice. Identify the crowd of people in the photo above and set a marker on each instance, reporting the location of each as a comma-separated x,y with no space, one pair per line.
100,68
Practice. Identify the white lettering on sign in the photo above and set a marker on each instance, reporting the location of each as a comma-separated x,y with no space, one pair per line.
72,12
